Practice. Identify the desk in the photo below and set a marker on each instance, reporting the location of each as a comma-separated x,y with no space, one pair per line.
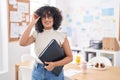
111,73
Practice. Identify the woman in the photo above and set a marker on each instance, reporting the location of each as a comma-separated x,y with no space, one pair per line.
47,20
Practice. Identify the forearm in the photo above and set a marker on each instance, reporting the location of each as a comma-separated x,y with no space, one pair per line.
24,38
64,61
68,52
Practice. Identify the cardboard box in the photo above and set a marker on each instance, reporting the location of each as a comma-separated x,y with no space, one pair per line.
110,44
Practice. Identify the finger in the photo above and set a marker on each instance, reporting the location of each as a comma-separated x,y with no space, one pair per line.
47,62
36,19
36,16
45,67
48,68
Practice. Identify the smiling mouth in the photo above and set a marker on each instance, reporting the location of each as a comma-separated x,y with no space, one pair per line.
47,22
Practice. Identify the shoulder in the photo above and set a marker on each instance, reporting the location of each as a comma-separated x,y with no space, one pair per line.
60,37
61,34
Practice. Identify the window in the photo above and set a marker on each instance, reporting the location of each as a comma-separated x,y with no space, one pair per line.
3,38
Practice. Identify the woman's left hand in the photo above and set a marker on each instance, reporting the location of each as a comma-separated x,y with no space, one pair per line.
50,66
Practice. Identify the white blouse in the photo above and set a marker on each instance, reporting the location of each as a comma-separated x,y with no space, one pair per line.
42,39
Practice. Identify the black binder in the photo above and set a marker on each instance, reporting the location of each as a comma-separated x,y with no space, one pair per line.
53,52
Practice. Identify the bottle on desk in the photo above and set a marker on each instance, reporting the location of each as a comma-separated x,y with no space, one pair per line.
78,58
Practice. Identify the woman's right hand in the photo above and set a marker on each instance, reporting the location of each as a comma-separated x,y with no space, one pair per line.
35,18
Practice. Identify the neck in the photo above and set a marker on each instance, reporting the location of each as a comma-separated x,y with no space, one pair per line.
47,28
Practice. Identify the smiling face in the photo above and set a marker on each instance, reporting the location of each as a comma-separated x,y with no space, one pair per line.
50,17
47,20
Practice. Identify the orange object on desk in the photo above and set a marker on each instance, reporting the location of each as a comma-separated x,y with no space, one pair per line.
77,59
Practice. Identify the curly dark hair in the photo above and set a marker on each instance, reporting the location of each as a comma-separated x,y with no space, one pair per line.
48,10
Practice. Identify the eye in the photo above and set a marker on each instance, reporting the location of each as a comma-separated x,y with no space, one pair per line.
43,16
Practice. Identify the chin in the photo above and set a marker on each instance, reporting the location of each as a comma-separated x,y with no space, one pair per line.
48,27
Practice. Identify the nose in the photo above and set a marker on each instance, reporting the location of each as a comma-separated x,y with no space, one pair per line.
46,18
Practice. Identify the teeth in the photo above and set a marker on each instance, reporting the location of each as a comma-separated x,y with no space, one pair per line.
47,22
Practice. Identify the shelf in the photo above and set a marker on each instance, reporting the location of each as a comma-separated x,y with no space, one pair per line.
113,56
100,51
109,56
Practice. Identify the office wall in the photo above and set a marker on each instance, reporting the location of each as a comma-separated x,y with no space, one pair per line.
14,54
0,42
3,41
11,51
15,51
86,20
